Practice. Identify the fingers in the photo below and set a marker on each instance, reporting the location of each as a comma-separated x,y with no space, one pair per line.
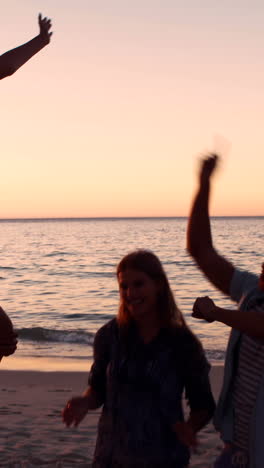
197,309
77,421
191,440
186,434
67,415
196,313
73,412
208,166
201,300
45,25
210,162
203,308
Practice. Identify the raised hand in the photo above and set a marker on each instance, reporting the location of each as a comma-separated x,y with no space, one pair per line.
208,166
204,308
44,28
75,410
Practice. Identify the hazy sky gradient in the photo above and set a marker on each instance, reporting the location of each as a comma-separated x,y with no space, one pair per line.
109,119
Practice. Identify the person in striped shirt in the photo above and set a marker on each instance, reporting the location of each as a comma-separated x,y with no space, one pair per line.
239,415
13,59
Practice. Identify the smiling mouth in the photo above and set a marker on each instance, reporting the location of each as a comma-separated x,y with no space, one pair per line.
135,302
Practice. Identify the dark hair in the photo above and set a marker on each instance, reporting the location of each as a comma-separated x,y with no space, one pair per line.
148,263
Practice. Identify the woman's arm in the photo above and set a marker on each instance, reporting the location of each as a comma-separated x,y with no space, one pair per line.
12,60
77,407
198,393
186,430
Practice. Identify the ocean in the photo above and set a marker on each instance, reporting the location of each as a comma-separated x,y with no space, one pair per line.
58,281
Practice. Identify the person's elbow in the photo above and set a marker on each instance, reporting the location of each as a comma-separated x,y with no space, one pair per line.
194,246
6,71
7,67
196,252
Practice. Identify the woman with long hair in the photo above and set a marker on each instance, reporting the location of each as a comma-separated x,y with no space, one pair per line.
144,359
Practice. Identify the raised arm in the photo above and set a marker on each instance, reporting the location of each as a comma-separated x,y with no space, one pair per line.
199,238
12,60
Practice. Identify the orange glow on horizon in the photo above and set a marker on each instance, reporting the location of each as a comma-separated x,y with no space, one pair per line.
110,118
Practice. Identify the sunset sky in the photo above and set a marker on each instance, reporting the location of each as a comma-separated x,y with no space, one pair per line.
110,118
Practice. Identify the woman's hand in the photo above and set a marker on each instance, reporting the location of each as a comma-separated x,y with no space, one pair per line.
75,410
185,433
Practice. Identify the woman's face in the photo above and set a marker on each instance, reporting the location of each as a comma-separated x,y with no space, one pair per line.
139,293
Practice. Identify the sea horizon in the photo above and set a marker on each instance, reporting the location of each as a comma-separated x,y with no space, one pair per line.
58,279
111,218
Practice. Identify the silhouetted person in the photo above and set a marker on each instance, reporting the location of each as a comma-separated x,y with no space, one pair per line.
12,60
240,411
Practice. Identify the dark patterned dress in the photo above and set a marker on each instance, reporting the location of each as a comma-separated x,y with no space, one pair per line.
141,387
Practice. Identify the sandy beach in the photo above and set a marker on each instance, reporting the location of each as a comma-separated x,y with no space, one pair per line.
32,433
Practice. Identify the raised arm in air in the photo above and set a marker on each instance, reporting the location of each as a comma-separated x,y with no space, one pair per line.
199,237
12,60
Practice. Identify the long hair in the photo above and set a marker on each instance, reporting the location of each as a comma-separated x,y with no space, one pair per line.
147,262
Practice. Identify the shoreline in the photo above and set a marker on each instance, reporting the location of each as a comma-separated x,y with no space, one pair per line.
32,432
43,364
17,363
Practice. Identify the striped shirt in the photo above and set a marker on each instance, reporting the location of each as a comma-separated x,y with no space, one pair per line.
246,385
